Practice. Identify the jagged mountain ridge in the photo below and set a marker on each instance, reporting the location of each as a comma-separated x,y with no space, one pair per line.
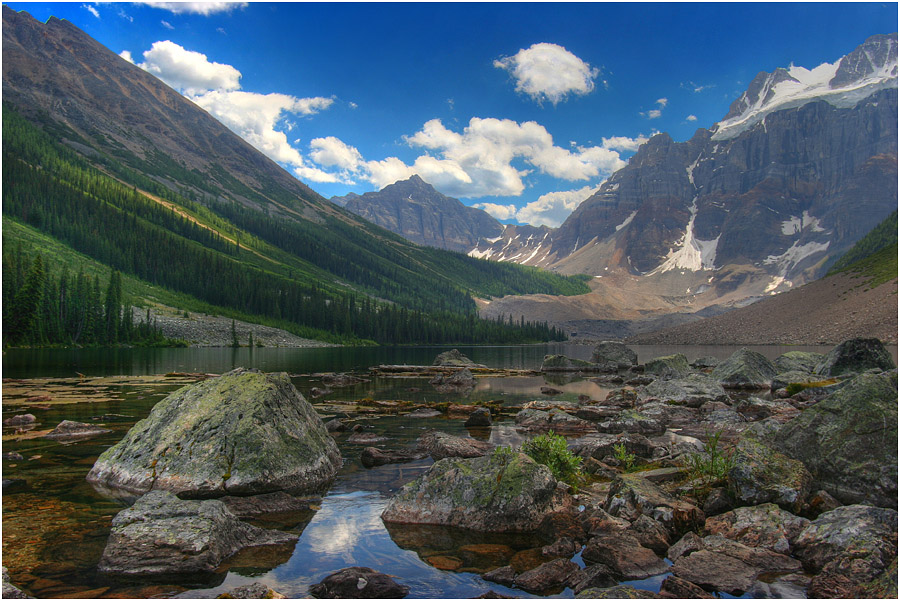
421,214
761,210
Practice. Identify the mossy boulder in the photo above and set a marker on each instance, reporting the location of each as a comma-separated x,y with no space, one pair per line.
761,474
745,369
242,433
668,366
849,441
797,361
855,356
611,351
454,358
500,492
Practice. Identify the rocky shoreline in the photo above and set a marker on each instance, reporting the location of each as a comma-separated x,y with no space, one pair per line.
202,330
743,476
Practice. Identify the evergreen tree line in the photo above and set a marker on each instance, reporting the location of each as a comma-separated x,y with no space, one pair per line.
118,227
41,307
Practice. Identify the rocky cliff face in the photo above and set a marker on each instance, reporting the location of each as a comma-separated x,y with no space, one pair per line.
421,214
802,166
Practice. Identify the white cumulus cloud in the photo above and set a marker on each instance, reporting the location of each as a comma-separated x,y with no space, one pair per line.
257,118
549,72
188,71
167,25
127,56
691,117
549,209
497,211
197,8
91,10
624,143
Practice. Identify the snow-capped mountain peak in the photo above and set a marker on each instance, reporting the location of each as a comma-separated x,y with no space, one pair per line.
871,67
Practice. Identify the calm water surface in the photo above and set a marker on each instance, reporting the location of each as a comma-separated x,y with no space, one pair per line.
55,528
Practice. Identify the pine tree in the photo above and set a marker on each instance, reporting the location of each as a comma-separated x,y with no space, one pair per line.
234,337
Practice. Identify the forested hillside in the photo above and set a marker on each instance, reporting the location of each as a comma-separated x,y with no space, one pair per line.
331,277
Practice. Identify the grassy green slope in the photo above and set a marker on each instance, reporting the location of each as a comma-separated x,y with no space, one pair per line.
874,256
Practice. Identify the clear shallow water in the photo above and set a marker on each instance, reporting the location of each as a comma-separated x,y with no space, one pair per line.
54,530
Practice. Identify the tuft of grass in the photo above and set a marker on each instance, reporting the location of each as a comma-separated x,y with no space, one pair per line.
624,457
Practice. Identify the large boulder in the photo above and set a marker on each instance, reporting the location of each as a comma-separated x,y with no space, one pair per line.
162,534
501,492
849,441
745,369
461,380
692,390
855,356
243,433
624,555
454,358
761,474
611,351
556,419
668,366
562,363
849,547
798,361
68,430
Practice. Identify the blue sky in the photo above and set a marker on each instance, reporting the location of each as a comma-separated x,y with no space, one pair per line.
520,108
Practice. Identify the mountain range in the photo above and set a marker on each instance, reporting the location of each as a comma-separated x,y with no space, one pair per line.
106,159
801,167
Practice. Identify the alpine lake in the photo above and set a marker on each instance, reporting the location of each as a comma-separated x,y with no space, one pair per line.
55,525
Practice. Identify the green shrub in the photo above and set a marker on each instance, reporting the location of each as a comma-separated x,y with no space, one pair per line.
550,450
710,467
625,458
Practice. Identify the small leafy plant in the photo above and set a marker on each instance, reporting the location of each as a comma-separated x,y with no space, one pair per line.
625,458
709,467
550,450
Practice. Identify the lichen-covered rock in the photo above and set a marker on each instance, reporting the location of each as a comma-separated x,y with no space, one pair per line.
668,366
460,380
704,363
745,369
358,583
440,445
23,419
849,441
495,493
454,358
603,446
162,534
850,547
692,390
761,474
767,526
562,363
68,430
632,496
557,420
800,361
633,422
611,351
855,356
245,432
257,590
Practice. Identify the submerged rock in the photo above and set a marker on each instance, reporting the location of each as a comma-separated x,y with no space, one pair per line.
68,430
745,369
497,493
849,441
855,356
441,445
162,534
358,583
459,381
372,457
480,418
245,432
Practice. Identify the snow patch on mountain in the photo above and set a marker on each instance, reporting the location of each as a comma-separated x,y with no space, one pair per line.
692,253
796,86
